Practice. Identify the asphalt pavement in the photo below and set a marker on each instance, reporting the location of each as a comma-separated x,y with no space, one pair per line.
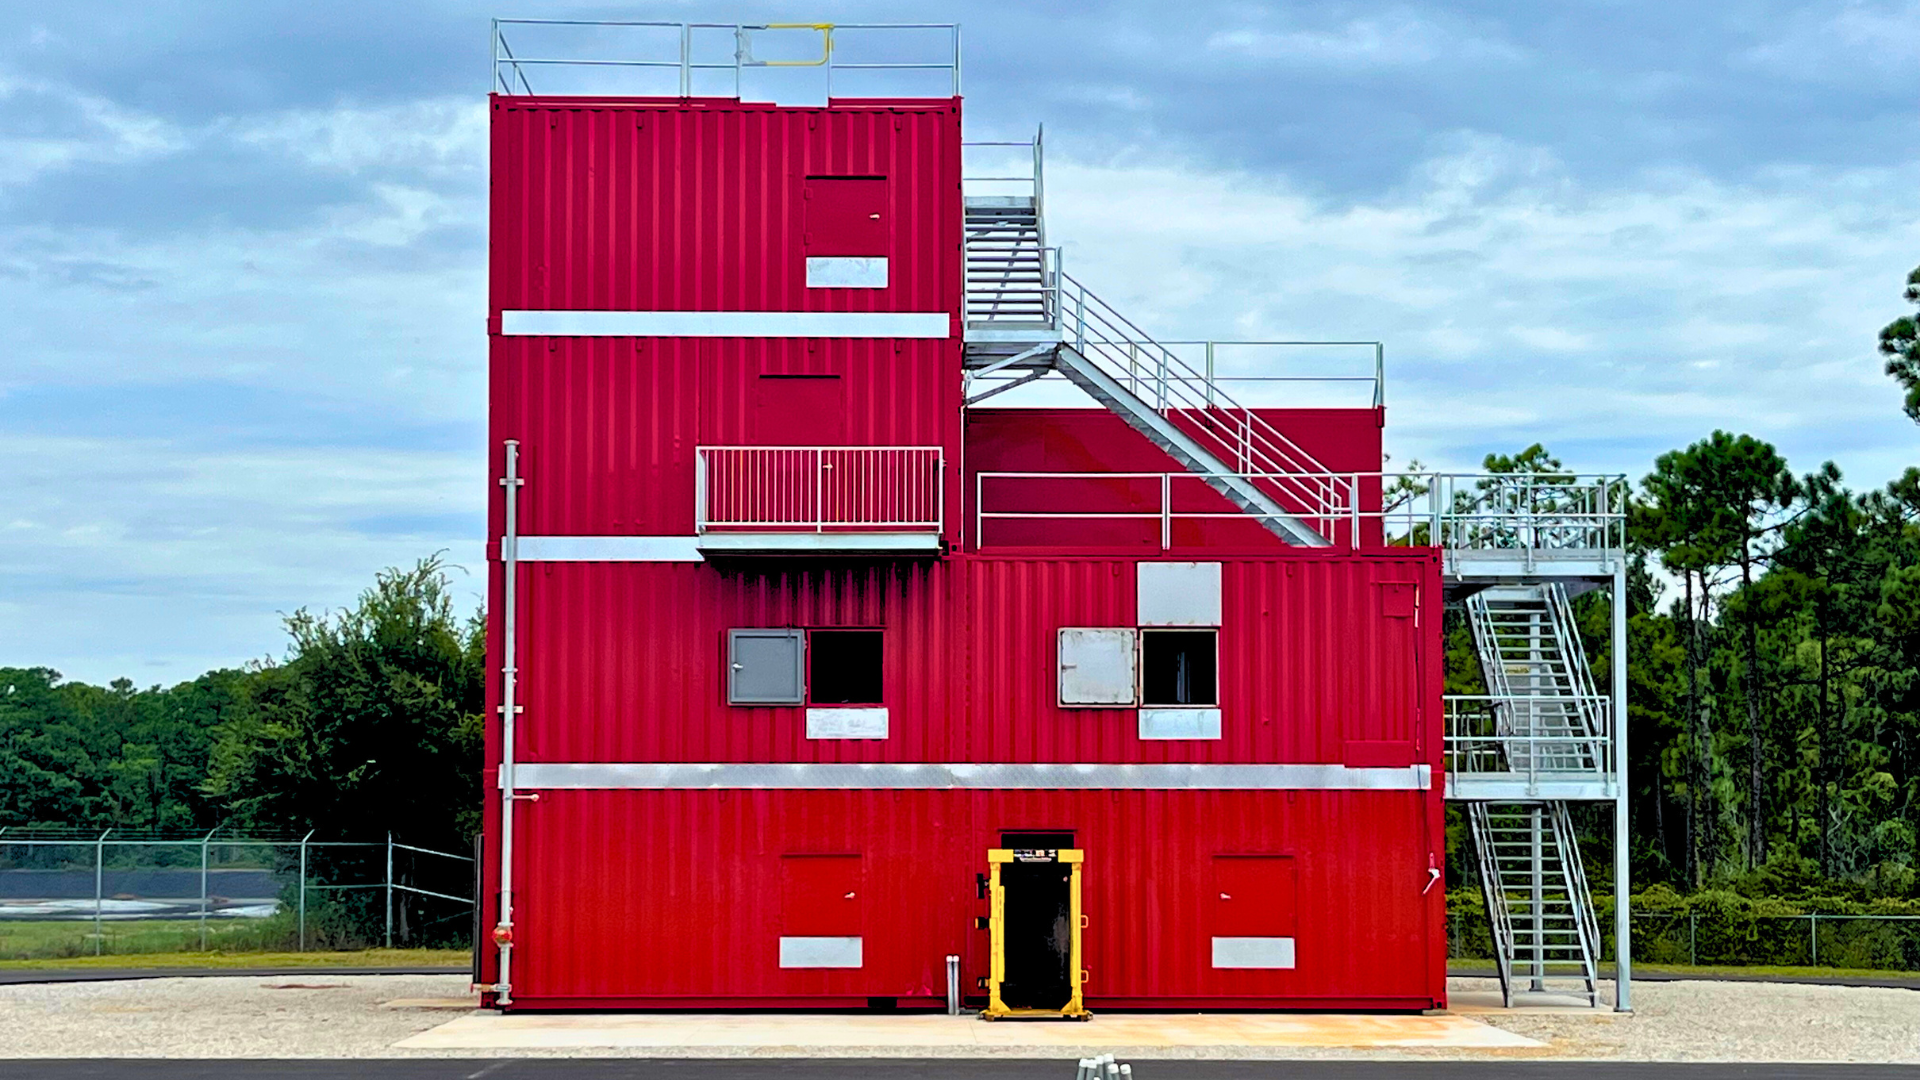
939,1069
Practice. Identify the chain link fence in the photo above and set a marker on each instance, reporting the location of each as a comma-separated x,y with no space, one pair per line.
1715,935
64,894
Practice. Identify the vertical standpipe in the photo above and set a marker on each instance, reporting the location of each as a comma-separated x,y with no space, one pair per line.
509,564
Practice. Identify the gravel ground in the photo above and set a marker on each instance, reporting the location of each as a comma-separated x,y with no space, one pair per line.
317,1015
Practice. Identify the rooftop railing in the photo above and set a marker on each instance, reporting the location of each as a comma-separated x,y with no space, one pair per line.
714,59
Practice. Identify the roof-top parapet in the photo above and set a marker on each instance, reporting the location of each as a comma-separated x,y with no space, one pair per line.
790,63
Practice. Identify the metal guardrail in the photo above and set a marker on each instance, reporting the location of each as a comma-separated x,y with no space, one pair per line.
1456,511
690,49
1498,735
818,488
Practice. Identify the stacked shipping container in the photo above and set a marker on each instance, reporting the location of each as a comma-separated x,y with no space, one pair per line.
681,843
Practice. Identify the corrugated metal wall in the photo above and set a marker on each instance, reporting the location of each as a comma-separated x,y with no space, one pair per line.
609,426
698,206
674,898
625,662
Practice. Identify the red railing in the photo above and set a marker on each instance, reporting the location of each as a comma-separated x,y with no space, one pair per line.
818,488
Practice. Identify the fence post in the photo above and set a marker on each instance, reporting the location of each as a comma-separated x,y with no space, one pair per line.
1693,952
204,841
303,889
1813,936
389,890
99,879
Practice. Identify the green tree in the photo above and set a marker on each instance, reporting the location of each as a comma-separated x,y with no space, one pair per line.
1900,344
371,724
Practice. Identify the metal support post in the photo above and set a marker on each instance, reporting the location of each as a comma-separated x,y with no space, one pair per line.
1209,374
1622,842
1813,936
389,890
204,841
1538,897
99,880
303,889
1379,375
1166,511
953,985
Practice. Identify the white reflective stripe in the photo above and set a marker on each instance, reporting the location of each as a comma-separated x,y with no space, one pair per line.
869,722
749,324
1253,952
1179,723
609,549
820,952
936,775
839,272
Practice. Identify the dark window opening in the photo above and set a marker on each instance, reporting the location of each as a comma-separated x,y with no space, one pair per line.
843,667
1045,841
1177,667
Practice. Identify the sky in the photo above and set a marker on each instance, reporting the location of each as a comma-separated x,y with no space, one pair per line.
242,255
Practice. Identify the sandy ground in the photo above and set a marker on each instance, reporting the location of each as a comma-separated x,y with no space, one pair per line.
365,1016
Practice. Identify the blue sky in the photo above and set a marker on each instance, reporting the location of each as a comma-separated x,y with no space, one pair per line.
241,254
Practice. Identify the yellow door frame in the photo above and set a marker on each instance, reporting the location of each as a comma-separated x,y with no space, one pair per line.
1073,859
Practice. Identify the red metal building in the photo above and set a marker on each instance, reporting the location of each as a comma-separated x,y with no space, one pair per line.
792,633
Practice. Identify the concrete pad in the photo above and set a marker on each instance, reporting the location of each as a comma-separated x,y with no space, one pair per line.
840,1035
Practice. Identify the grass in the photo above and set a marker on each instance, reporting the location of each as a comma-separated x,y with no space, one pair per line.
178,943
240,961
1714,970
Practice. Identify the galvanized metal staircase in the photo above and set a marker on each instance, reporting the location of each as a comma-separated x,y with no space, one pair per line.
1006,254
1547,721
1544,929
1025,314
1547,712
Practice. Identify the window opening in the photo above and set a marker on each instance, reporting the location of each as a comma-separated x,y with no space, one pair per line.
1178,667
843,667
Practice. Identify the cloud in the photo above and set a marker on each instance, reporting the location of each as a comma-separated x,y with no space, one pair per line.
49,128
1520,304
1391,39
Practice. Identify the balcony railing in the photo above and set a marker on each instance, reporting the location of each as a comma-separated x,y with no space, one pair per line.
818,489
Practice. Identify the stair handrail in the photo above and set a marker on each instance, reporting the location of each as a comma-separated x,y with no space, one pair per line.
1587,699
1581,895
1260,447
1495,894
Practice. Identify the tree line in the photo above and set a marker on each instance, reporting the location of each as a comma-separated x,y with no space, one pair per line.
370,722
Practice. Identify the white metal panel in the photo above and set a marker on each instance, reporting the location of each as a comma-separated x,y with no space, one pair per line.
846,272
936,776
820,952
747,324
1097,665
1253,952
807,543
608,549
1178,594
847,723
1179,723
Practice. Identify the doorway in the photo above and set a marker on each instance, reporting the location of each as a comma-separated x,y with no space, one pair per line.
1035,922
